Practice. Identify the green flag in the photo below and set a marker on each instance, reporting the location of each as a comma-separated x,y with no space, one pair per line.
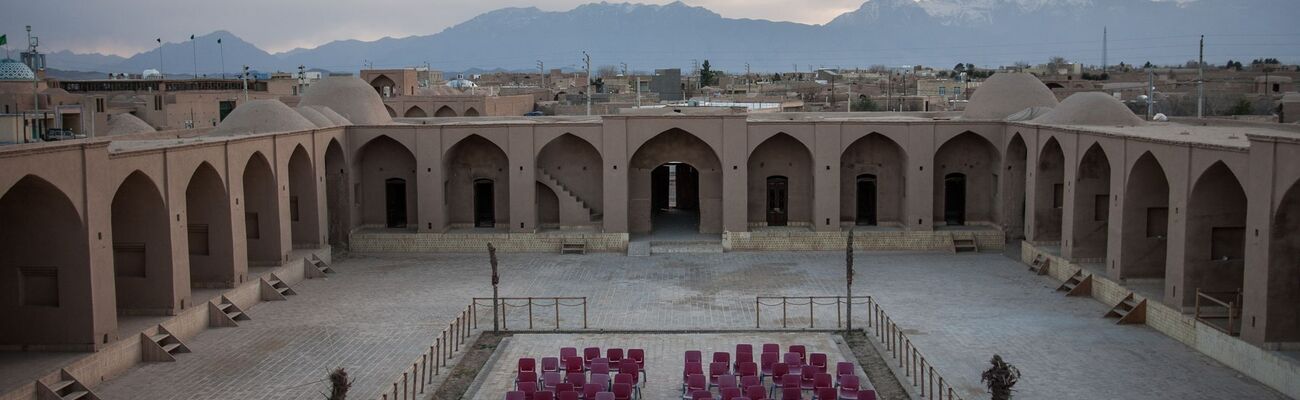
4,39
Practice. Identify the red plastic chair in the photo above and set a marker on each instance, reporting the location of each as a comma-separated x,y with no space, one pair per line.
726,381
747,381
788,381
826,393
868,394
590,389
590,353
527,364
576,378
792,359
599,368
551,379
514,395
543,395
806,378
791,394
691,369
715,370
550,364
729,393
818,360
722,357
600,379
696,382
843,368
771,348
573,364
849,387
638,357
563,387
566,352
747,369
744,348
528,388
605,396
694,356
701,395
569,395
622,391
766,361
742,358
823,380
527,376
778,370
615,357
756,392
629,368
630,380
802,350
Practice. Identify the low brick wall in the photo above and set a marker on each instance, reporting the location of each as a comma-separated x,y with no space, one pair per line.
387,242
990,239
1277,372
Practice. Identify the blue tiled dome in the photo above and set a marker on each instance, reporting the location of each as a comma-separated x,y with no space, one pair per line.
12,70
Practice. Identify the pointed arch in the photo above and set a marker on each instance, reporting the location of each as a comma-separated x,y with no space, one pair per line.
1092,199
1015,172
142,256
471,112
575,164
391,113
210,240
1049,192
699,181
444,111
477,159
969,199
338,214
43,250
873,181
780,155
380,161
304,212
1215,242
1282,323
548,207
415,112
261,212
1145,230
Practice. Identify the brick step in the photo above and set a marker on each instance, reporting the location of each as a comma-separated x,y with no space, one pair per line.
161,346
1078,284
274,288
60,385
1129,310
67,388
79,394
573,248
225,314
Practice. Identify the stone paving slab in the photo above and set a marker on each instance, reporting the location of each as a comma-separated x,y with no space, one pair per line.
379,312
664,355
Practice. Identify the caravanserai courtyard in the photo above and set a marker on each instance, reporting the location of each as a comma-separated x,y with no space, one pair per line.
378,312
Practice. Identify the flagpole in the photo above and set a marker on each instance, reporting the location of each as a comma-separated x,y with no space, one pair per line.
196,56
222,49
160,60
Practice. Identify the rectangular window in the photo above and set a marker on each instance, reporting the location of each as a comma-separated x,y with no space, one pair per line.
198,235
39,286
99,104
129,260
293,208
157,102
1058,195
1157,222
1227,243
251,229
1101,208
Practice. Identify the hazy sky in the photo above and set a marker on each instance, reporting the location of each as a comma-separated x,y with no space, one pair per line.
124,27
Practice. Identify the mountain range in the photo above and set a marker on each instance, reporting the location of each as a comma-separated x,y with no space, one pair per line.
884,32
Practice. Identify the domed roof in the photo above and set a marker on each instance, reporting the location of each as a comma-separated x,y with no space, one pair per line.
314,116
461,83
334,117
12,70
1090,108
125,124
1007,93
262,116
349,96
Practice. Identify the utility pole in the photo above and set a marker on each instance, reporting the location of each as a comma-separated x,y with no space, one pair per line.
1151,92
747,88
849,96
848,280
302,77
1200,82
222,50
541,70
195,47
160,58
1104,53
586,58
245,77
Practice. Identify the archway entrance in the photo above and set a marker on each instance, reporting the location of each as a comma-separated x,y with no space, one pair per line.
304,220
395,202
1091,206
444,111
336,194
142,256
778,199
1049,193
415,112
207,211
866,200
471,112
261,213
954,199
379,162
1215,246
1017,156
1283,302
485,214
675,186
676,198
1144,250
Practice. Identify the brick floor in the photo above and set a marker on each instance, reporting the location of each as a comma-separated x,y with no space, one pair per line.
379,312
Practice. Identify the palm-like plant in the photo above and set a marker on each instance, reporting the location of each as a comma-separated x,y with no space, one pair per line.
1000,377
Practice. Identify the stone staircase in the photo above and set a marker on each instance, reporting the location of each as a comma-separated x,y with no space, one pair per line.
964,243
685,246
568,197
161,346
275,289
225,313
1129,311
67,388
1078,285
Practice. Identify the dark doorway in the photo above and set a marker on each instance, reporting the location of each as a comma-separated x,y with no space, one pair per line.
395,200
674,198
954,199
484,204
866,214
778,196
225,107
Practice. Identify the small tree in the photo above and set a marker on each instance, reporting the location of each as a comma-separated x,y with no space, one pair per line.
339,384
865,103
1242,107
1000,378
707,75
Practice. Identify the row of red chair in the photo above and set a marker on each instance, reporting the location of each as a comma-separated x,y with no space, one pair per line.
586,377
796,372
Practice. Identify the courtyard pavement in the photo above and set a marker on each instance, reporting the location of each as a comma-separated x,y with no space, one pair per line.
379,312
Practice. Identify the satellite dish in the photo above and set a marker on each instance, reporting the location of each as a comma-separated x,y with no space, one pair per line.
1160,117
1142,97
